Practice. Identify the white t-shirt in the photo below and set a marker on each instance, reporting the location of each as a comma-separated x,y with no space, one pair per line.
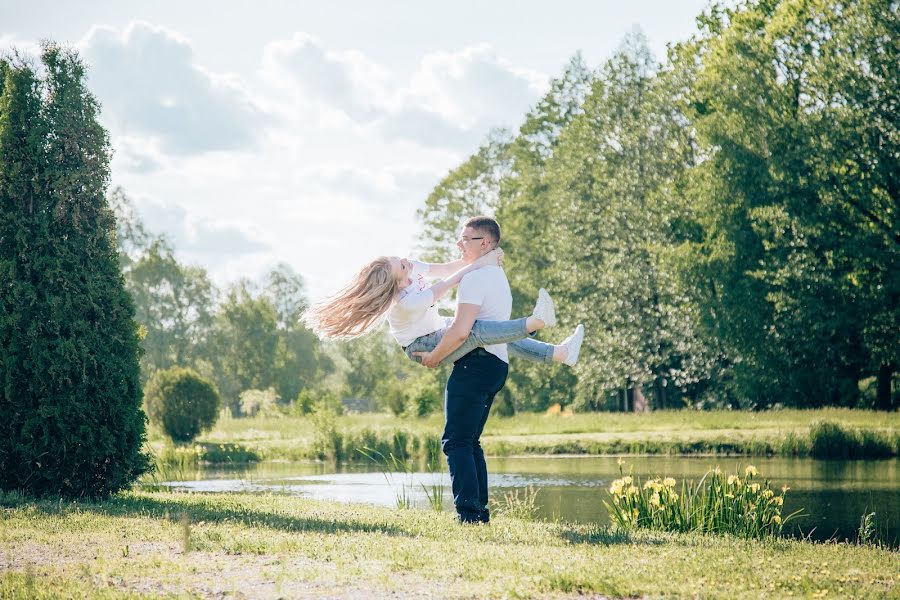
488,288
415,314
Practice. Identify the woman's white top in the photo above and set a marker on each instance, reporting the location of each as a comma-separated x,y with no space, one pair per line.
415,314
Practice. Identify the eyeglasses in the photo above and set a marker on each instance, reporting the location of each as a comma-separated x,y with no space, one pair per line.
465,239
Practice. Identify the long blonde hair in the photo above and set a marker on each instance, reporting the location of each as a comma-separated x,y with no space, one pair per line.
361,304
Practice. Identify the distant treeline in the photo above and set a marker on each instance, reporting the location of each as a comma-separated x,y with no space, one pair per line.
248,338
724,223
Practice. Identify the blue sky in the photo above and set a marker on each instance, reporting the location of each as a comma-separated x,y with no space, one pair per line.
310,132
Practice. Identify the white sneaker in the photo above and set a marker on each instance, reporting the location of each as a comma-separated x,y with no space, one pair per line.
573,346
544,309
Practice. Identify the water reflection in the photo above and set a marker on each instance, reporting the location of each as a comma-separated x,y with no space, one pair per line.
834,494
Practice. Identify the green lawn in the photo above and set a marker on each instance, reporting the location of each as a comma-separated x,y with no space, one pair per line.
783,432
170,544
543,424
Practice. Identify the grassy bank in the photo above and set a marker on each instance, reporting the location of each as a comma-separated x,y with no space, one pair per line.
858,434
277,546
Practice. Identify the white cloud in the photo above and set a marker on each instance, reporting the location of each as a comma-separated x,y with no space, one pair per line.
11,41
474,87
149,85
450,101
211,242
346,81
318,159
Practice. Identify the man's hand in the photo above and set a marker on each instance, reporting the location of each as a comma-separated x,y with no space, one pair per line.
455,335
427,359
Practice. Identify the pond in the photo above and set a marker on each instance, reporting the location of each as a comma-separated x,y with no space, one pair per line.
833,494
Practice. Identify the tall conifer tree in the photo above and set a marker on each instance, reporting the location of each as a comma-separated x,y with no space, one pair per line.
70,395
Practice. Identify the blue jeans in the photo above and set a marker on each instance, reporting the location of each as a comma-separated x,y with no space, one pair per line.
475,380
486,333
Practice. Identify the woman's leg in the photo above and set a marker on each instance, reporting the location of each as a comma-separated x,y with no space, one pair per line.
484,333
531,350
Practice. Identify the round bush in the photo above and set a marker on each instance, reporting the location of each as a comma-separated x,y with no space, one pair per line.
182,402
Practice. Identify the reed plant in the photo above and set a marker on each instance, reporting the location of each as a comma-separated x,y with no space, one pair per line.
516,507
434,491
391,466
739,505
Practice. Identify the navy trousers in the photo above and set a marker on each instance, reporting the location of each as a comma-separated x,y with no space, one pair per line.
475,380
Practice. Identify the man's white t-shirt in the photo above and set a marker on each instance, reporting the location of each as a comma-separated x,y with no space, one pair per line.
488,288
415,314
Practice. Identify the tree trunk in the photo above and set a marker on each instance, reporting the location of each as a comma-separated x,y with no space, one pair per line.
883,396
661,388
640,401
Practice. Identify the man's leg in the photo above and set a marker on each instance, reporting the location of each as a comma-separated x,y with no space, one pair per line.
463,407
499,370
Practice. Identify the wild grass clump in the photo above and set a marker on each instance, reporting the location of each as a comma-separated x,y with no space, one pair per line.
830,440
331,442
717,504
516,507
189,456
392,466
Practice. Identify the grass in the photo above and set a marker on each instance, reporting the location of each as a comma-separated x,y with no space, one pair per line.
777,432
171,544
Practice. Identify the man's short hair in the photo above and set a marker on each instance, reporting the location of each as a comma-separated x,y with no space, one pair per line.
485,225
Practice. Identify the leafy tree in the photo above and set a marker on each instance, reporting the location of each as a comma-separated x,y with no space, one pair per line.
70,390
469,190
174,304
244,345
132,236
300,361
613,229
525,207
795,105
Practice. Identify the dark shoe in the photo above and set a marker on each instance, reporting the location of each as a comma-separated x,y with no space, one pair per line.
473,517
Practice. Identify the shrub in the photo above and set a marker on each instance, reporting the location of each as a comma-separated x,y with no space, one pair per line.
70,396
305,402
328,442
262,403
829,440
181,402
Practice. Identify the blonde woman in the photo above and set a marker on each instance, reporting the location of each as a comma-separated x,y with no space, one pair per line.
395,288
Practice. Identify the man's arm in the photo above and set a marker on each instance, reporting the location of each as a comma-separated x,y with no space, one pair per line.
456,334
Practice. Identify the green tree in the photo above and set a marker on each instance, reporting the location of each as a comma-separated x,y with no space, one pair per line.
613,229
469,190
132,236
524,211
174,304
243,348
795,106
70,390
300,360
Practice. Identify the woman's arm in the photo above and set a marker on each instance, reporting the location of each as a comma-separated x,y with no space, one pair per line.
430,295
441,270
442,287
